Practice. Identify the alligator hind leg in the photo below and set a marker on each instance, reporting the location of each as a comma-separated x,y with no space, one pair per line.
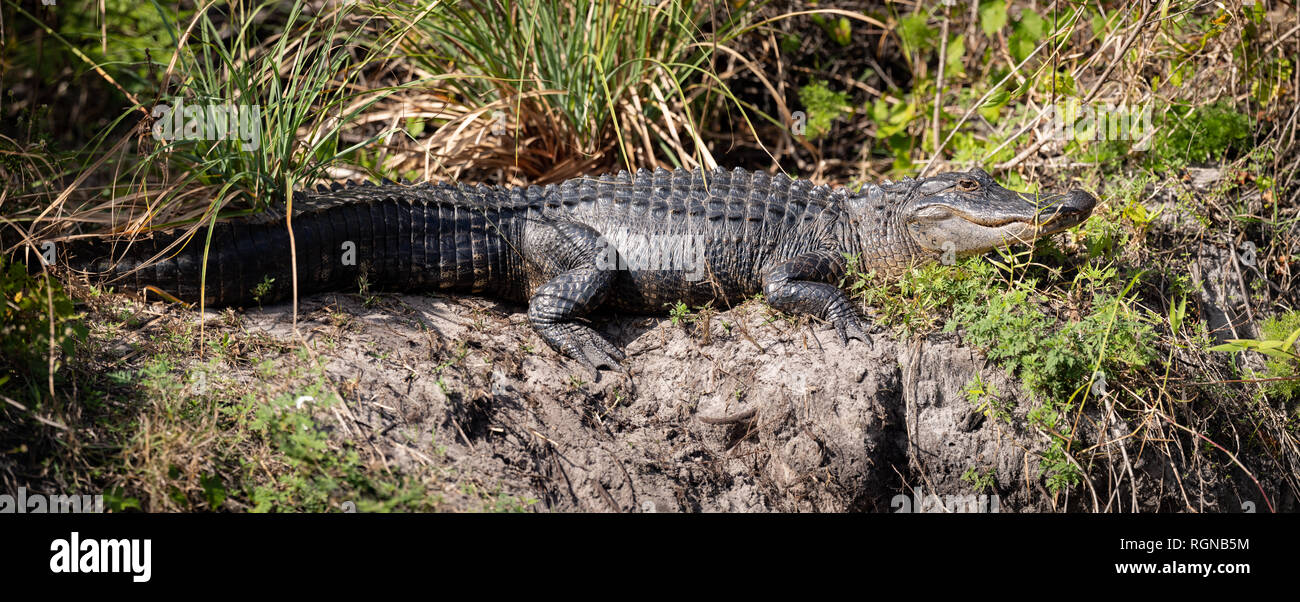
579,286
799,285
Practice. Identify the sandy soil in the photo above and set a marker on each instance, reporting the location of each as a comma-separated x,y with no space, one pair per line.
767,414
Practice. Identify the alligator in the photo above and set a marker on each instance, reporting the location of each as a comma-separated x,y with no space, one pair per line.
628,242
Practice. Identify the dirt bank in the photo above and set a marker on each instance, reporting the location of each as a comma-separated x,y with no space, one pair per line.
766,415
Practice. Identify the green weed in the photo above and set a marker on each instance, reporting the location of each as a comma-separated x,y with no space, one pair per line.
1278,337
823,105
1211,132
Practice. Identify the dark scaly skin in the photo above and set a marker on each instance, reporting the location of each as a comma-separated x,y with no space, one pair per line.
550,246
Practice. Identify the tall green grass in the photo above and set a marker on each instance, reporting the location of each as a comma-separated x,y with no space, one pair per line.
578,78
304,81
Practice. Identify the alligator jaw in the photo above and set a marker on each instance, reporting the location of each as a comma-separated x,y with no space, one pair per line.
973,222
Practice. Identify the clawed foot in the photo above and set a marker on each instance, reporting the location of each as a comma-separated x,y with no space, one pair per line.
851,327
584,345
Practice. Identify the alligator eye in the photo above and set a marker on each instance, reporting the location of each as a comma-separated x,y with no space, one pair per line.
967,185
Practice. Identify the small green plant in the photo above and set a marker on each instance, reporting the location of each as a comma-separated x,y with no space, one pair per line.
1104,235
976,390
679,314
916,301
986,401
840,30
1278,338
1061,473
823,106
363,289
981,481
1201,134
262,289
509,504
1054,363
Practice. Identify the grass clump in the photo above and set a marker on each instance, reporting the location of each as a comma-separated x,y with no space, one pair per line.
1197,135
572,81
300,86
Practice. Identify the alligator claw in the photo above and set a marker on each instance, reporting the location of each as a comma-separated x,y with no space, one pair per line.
603,355
851,328
599,356
584,346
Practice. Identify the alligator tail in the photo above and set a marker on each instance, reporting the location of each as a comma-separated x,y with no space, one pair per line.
390,244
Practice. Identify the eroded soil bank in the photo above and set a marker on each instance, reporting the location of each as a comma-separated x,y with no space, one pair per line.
765,414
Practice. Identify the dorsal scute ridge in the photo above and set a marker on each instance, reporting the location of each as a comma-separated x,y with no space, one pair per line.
660,185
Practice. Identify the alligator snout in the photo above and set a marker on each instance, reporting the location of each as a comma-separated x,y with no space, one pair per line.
1082,201
1059,212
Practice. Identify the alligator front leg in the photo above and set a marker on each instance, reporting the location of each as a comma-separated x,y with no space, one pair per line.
800,285
579,287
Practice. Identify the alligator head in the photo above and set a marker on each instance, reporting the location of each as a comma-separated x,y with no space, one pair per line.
968,213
